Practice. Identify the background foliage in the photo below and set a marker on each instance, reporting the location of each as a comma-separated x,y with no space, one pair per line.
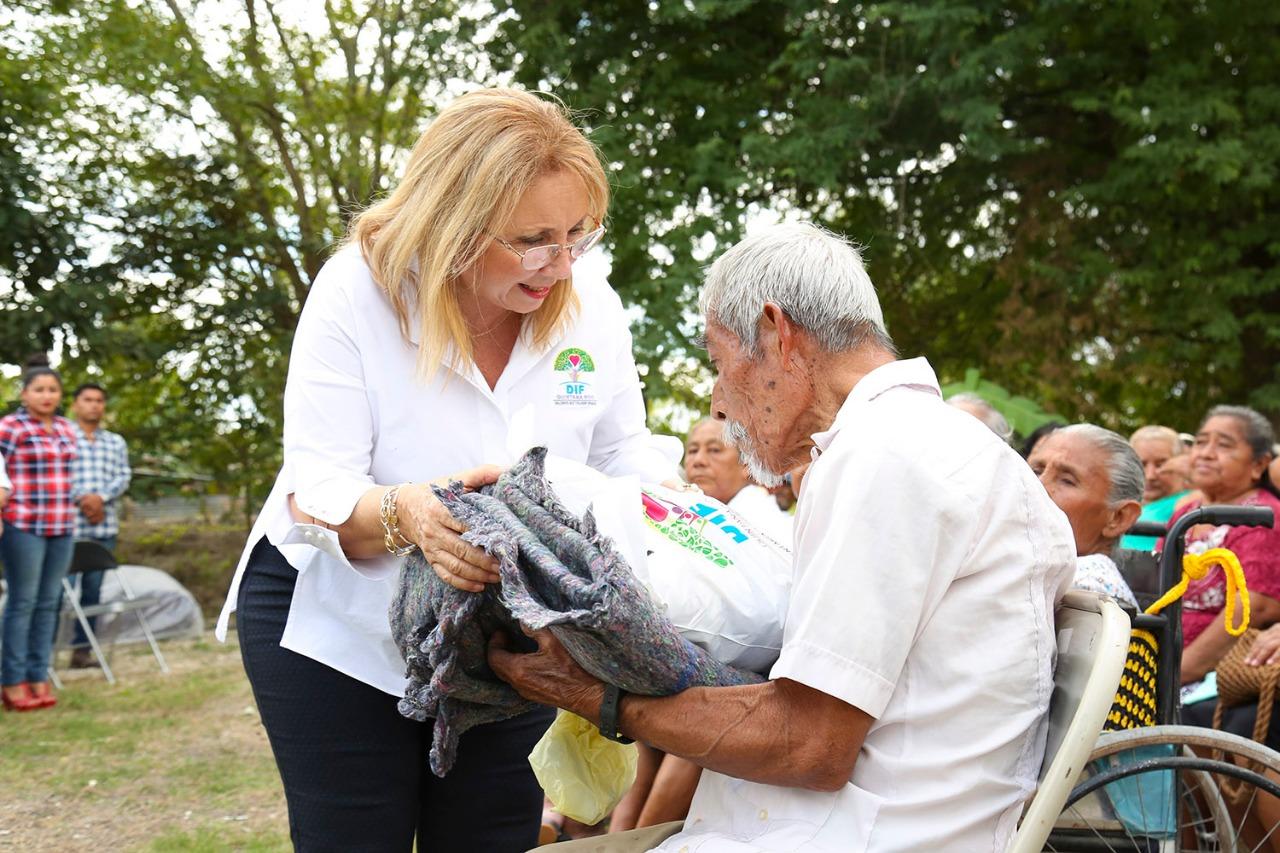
1077,198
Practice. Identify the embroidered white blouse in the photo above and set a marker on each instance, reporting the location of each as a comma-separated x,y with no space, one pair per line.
356,414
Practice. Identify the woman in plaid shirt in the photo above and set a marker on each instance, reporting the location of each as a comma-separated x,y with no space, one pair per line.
39,518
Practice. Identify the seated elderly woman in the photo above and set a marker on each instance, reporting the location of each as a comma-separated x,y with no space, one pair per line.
1229,462
1094,476
1229,465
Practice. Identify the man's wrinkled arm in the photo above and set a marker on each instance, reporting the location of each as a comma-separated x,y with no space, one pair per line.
781,732
777,733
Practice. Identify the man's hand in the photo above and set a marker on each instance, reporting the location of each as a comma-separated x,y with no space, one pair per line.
93,508
549,676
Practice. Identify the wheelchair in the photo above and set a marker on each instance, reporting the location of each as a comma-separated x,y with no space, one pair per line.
1168,787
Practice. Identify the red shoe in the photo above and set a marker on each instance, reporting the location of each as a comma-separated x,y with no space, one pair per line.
41,693
17,697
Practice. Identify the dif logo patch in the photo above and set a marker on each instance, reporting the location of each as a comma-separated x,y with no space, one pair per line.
574,369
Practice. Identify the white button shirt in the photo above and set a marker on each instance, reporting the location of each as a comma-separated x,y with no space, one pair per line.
356,414
929,560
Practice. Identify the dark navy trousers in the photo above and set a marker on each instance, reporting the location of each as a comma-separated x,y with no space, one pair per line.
355,772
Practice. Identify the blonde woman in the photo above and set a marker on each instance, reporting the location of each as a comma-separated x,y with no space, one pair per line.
444,339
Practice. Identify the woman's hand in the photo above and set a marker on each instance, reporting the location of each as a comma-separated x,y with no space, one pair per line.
1266,648
425,522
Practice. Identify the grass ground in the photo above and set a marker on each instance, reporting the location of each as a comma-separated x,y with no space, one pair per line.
160,763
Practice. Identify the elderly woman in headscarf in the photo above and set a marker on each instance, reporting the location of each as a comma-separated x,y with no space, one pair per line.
1095,477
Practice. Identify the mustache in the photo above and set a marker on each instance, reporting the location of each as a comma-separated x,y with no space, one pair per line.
736,434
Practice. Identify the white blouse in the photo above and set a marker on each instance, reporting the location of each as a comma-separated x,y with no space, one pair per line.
356,414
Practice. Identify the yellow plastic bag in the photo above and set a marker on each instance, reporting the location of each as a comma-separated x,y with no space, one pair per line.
582,772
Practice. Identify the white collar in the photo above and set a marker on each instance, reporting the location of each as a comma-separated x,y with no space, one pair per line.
912,373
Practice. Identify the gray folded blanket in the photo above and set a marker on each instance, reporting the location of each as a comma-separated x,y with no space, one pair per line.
556,572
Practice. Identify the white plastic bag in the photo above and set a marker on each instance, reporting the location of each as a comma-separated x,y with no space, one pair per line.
725,583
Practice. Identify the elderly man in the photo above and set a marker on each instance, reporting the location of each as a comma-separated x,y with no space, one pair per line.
907,710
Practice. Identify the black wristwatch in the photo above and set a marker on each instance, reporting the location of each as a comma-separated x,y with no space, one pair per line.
609,714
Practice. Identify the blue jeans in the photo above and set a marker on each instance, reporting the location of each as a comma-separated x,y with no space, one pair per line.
91,591
34,567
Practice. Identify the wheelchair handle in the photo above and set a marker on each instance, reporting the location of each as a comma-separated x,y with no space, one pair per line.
1170,573
1240,516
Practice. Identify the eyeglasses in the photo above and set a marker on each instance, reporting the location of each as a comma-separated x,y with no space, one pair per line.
539,256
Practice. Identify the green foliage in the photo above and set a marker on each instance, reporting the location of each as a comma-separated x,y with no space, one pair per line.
1079,196
1024,415
212,155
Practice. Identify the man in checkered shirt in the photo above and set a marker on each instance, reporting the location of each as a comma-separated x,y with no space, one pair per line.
100,475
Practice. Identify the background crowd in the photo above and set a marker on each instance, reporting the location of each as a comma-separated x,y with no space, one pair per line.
61,480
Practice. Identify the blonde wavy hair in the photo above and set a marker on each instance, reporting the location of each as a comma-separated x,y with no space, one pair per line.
465,177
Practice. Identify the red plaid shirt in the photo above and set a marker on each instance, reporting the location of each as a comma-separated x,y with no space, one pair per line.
38,461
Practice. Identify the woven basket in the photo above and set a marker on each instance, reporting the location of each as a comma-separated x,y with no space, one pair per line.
1238,684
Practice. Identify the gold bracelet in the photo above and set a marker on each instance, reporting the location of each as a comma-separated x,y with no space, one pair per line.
391,524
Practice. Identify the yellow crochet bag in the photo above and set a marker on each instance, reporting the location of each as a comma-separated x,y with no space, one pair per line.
1136,697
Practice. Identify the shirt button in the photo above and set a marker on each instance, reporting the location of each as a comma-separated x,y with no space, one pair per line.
764,814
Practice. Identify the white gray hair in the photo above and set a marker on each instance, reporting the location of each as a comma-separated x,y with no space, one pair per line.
1124,468
995,421
815,276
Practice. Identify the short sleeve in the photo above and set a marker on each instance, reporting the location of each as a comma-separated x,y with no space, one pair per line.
868,572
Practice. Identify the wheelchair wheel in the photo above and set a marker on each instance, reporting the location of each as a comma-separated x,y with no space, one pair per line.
1173,788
